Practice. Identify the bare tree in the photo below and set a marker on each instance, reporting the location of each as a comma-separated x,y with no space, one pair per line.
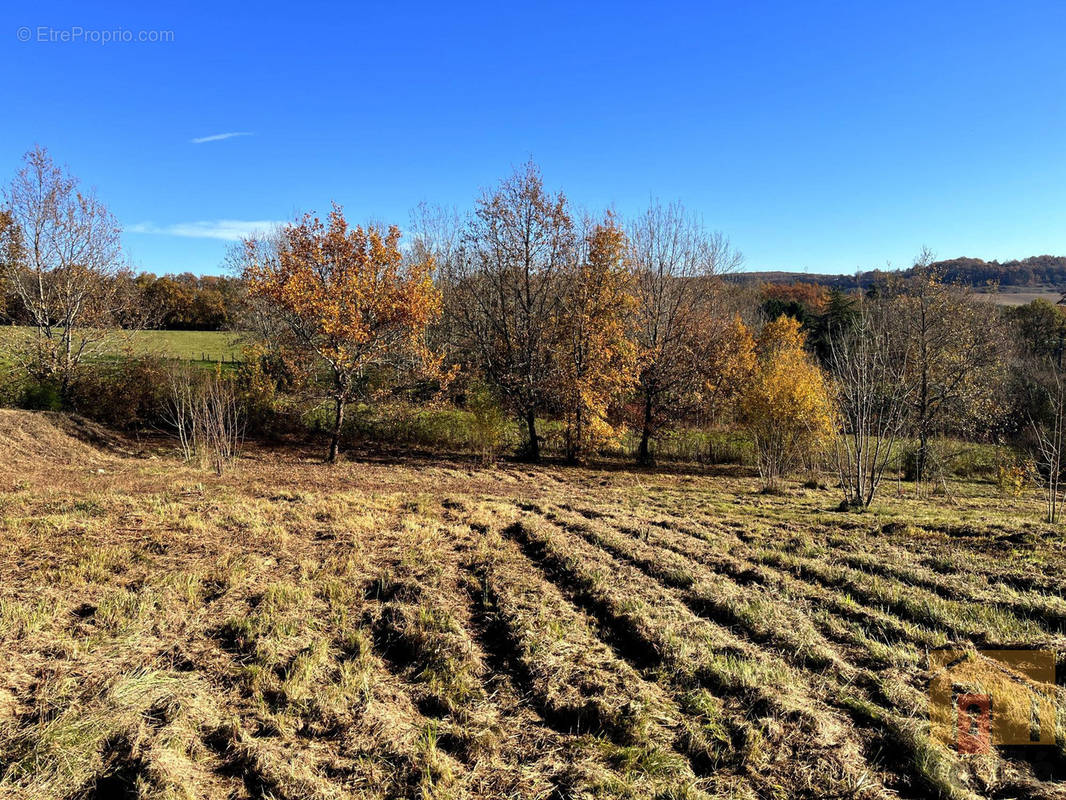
1049,434
502,295
68,258
436,233
179,410
677,265
955,357
205,415
869,365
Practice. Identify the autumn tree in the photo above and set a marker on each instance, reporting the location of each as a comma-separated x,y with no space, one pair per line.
596,357
677,266
345,304
502,292
955,359
1039,328
785,406
727,360
61,257
811,296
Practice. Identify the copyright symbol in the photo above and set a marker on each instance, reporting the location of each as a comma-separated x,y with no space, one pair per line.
23,34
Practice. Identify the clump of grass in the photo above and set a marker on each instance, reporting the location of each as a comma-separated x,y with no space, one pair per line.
936,767
21,618
87,735
429,638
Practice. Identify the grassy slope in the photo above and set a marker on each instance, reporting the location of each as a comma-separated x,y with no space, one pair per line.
435,629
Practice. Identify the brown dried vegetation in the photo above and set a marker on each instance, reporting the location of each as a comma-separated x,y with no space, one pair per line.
439,629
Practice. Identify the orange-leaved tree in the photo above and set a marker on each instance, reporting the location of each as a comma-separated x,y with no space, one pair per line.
346,306
786,406
727,361
596,357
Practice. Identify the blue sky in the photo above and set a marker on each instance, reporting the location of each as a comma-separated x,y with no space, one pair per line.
820,136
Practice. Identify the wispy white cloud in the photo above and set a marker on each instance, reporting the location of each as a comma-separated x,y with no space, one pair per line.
230,230
218,137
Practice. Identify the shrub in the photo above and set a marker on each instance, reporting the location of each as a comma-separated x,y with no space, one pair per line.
128,393
488,424
1013,476
206,415
12,382
260,386
785,406
41,396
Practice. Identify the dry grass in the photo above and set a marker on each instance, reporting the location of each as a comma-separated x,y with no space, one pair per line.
441,630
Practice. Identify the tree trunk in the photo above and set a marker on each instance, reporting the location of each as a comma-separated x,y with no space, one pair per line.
574,438
921,458
923,417
335,439
644,453
533,447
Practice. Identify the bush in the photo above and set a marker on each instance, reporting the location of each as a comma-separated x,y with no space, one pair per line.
204,411
12,382
950,458
259,385
488,425
41,396
398,422
127,394
691,445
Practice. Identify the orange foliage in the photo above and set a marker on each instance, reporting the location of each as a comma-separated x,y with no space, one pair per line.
347,301
812,295
597,361
728,363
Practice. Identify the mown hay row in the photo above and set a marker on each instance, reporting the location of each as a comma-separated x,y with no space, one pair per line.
784,725
582,687
897,696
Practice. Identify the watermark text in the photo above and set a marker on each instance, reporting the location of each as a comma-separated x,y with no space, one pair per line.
76,34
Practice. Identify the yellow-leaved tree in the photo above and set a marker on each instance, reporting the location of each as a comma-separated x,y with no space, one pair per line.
785,406
343,304
728,358
596,357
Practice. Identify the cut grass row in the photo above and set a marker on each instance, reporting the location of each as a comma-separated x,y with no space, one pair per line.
892,693
783,724
580,685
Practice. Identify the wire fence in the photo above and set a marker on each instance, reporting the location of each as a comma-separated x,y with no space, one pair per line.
204,356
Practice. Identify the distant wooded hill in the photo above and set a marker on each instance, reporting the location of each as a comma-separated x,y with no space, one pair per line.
1036,271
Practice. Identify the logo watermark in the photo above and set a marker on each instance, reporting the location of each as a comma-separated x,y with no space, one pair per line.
76,34
984,698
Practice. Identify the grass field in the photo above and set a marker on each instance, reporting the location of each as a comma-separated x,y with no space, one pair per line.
1020,296
434,629
188,345
208,346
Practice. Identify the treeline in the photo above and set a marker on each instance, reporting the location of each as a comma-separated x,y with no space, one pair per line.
189,302
184,302
521,309
969,272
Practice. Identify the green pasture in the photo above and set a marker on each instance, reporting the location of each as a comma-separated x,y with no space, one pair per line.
198,346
